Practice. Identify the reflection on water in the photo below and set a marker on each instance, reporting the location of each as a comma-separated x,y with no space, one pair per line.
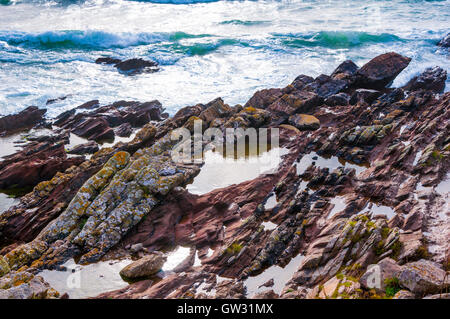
218,172
175,257
339,205
7,145
417,157
332,163
6,201
269,226
87,281
75,140
280,276
376,209
271,202
118,139
443,188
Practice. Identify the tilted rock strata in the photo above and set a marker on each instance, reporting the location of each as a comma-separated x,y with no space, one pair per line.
399,138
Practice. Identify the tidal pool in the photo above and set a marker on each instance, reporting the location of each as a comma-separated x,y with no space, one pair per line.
80,281
218,171
175,257
280,276
6,201
377,209
331,162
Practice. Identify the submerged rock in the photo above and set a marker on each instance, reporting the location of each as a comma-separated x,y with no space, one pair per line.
130,66
135,66
107,60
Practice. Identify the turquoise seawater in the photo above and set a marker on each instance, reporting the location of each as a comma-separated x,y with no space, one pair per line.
206,48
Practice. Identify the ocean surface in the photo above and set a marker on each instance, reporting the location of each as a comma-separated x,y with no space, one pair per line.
205,48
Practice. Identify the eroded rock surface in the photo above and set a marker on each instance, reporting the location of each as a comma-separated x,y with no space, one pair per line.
25,119
365,188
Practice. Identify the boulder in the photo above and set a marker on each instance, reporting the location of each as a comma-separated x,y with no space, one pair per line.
381,71
270,294
329,288
438,296
301,81
144,267
296,102
304,122
345,70
432,79
325,86
27,118
215,109
262,99
423,277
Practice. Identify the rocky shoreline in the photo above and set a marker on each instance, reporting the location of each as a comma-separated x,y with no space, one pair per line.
362,190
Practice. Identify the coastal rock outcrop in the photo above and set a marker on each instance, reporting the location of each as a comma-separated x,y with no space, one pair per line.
432,79
27,118
23,285
40,159
423,277
362,189
99,124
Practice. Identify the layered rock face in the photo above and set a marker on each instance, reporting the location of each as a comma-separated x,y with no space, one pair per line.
26,119
99,124
355,209
38,160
